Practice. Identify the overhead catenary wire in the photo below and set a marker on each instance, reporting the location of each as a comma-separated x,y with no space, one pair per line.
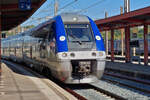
80,11
47,10
92,5
37,19
67,5
96,3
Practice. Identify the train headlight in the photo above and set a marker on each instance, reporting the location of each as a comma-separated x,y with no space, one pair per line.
75,19
72,55
98,37
101,54
93,54
62,38
64,54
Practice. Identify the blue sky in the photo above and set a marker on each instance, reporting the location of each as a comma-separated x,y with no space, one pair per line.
92,8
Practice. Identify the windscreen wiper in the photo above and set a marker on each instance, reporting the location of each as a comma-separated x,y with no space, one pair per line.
77,40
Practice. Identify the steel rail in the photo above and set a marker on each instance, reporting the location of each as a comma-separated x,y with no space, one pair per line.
78,96
124,84
128,78
115,96
75,94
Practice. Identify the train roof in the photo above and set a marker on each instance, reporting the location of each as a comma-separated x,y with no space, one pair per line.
66,18
73,18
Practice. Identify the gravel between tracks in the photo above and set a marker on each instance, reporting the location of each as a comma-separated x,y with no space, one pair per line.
91,94
130,83
121,91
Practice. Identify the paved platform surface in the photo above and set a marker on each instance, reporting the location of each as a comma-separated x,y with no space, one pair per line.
17,85
130,67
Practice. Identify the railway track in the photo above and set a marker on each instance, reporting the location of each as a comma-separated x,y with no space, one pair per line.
112,95
128,78
96,93
140,85
72,88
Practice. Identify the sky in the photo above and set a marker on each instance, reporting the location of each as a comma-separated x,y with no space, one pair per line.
93,8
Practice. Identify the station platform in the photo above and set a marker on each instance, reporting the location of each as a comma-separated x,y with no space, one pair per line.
134,69
22,85
135,59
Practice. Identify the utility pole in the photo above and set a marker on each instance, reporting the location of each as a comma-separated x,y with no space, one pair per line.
106,36
122,31
126,6
55,7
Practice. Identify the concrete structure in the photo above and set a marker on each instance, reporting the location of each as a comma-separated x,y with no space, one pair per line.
20,84
134,69
11,16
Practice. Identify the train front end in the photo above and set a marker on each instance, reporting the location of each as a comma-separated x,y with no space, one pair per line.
80,49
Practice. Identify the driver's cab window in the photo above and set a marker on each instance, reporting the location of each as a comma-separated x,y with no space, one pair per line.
52,41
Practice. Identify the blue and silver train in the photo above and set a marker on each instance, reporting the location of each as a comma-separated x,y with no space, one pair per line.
69,47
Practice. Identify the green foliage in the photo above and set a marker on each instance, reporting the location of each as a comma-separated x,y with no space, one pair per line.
14,32
117,33
28,27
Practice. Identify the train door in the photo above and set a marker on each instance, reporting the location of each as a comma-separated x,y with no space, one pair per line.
43,48
51,45
44,39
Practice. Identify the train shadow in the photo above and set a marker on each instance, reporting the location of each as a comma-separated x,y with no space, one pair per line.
22,69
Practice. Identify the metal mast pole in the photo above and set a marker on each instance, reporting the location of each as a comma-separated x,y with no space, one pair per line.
106,36
55,7
122,31
126,6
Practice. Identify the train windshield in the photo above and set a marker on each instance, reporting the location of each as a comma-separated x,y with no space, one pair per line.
79,36
79,32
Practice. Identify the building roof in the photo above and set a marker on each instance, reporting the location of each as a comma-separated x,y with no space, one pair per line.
133,18
12,16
